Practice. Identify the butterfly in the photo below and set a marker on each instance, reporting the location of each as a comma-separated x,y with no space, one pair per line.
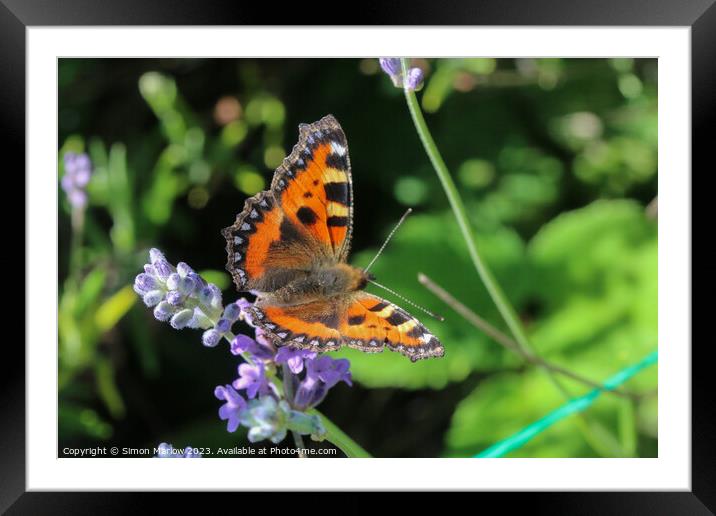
289,246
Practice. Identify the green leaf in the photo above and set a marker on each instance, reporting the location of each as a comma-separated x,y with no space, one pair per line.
433,245
120,200
113,309
107,387
595,275
89,290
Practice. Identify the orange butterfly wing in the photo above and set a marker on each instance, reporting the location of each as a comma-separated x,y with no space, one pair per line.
358,320
305,216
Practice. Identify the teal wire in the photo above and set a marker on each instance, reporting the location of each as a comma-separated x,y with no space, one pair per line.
521,437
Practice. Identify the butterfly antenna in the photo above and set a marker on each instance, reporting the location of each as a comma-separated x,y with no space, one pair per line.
415,305
402,219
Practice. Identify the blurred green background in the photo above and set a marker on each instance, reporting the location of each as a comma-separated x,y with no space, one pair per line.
556,160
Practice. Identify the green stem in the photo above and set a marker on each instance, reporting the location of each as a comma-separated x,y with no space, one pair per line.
77,218
458,208
340,439
288,393
506,310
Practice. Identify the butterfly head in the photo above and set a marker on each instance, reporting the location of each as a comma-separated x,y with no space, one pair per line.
357,278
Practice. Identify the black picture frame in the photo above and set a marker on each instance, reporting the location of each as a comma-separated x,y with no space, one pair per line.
700,15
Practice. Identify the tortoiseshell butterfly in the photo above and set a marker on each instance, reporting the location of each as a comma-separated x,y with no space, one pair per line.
289,247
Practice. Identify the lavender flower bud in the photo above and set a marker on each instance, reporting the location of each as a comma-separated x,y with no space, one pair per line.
183,269
215,296
173,281
77,198
163,311
185,286
152,297
200,320
175,298
222,326
78,169
145,283
390,65
199,282
181,318
164,450
163,268
414,80
232,312
156,255
211,338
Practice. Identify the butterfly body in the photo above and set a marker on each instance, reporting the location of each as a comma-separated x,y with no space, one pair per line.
323,282
289,247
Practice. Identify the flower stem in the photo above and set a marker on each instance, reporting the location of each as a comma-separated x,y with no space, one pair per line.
78,217
458,208
288,393
340,439
298,441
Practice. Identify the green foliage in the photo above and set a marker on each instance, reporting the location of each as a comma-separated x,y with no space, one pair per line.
593,272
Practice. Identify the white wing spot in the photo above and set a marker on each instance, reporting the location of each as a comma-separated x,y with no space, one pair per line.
338,148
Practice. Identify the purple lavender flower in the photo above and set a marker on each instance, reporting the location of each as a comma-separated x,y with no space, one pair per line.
390,65
329,370
252,378
232,409
258,349
412,81
78,169
322,374
182,297
310,393
293,357
210,338
167,451
244,306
